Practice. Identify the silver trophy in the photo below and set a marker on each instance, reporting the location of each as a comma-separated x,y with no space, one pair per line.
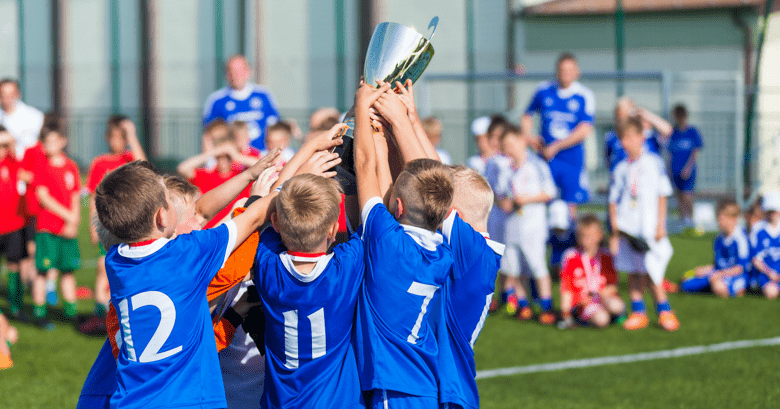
395,53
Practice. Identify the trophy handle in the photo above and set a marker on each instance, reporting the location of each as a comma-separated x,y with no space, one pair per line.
434,23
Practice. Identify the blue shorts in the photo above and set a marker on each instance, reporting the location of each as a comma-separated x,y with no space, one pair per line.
761,280
571,180
384,399
684,185
735,284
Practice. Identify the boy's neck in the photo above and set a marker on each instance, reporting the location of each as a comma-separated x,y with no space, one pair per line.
520,158
306,267
591,252
634,156
57,158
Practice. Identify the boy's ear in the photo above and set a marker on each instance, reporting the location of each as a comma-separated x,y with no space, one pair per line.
400,209
274,221
334,230
161,219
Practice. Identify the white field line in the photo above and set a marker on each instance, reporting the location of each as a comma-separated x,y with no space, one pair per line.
624,359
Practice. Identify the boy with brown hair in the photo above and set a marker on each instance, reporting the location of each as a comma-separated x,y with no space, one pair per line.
57,187
167,354
120,135
279,136
407,263
589,291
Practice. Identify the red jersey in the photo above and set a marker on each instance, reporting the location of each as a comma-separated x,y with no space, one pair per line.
12,214
33,161
63,182
252,151
207,179
104,164
582,276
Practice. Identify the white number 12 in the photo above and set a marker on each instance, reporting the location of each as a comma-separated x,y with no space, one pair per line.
167,319
424,290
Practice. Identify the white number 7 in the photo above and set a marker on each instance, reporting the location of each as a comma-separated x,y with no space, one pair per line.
427,291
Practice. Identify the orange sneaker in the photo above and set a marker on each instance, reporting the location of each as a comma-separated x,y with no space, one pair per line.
637,320
668,321
525,314
512,304
5,361
547,318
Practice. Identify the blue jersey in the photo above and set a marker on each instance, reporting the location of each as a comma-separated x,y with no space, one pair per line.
100,384
167,354
253,105
466,300
765,245
310,361
615,152
559,243
682,143
406,268
561,110
732,250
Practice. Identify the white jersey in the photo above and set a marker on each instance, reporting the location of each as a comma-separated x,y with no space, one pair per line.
24,124
495,166
635,188
243,368
477,163
531,179
444,156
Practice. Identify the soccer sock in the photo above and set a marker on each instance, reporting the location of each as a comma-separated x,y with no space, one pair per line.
70,309
545,304
15,291
51,286
505,295
100,309
522,302
39,311
663,306
695,284
638,306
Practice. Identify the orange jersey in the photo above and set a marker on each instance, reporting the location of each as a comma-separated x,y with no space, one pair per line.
231,274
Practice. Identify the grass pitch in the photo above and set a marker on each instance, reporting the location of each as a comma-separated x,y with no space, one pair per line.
50,367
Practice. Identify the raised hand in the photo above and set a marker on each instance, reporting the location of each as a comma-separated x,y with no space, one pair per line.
320,164
406,95
389,105
262,186
329,139
366,95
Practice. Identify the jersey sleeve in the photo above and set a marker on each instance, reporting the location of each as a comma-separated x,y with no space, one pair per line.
697,141
210,111
588,108
743,252
214,247
567,273
608,269
616,182
664,184
93,179
236,267
547,182
376,220
536,101
77,184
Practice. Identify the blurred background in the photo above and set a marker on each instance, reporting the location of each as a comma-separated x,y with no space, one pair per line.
158,60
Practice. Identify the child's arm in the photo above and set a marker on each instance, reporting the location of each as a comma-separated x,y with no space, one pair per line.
610,290
71,229
662,126
365,151
382,166
758,262
393,110
566,304
188,166
51,204
407,97
216,199
323,142
614,239
660,231
132,140
93,236
256,214
522,200
732,271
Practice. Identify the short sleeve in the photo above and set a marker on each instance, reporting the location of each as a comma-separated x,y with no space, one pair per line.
588,109
376,220
77,184
697,141
547,182
199,180
664,184
567,275
536,101
214,247
270,243
616,183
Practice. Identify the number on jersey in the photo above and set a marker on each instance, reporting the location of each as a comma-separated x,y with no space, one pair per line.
167,319
424,290
318,344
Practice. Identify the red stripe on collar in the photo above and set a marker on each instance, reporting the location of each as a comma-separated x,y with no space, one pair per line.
142,243
302,254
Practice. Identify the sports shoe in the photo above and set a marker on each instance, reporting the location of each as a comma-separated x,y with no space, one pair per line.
93,326
547,318
5,361
494,306
668,321
512,304
670,287
51,298
525,314
637,320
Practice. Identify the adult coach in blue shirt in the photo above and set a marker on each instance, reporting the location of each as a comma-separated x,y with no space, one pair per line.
243,101
684,146
566,108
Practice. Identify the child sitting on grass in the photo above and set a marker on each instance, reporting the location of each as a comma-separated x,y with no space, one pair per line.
765,248
726,277
589,292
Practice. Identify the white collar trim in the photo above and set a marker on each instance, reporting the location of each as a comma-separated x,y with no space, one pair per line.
322,263
425,238
243,93
142,251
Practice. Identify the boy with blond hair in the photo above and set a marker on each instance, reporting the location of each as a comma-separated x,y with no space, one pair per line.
727,276
469,289
406,263
637,214
167,354
589,292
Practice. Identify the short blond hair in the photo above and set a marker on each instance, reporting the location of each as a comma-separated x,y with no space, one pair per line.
218,129
306,208
473,196
432,126
426,188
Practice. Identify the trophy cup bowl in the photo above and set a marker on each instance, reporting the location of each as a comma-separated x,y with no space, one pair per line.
395,53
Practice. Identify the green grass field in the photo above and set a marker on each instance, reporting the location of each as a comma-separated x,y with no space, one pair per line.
50,367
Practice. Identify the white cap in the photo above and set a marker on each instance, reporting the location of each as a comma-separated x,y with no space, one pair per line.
559,215
771,201
480,126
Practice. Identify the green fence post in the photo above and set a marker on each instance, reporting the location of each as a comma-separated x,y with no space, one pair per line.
115,65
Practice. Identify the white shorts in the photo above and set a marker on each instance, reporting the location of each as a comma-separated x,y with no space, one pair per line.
653,263
529,258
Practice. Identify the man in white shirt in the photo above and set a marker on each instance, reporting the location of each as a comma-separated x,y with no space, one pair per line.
22,121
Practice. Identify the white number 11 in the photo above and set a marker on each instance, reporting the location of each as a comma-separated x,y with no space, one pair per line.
424,290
